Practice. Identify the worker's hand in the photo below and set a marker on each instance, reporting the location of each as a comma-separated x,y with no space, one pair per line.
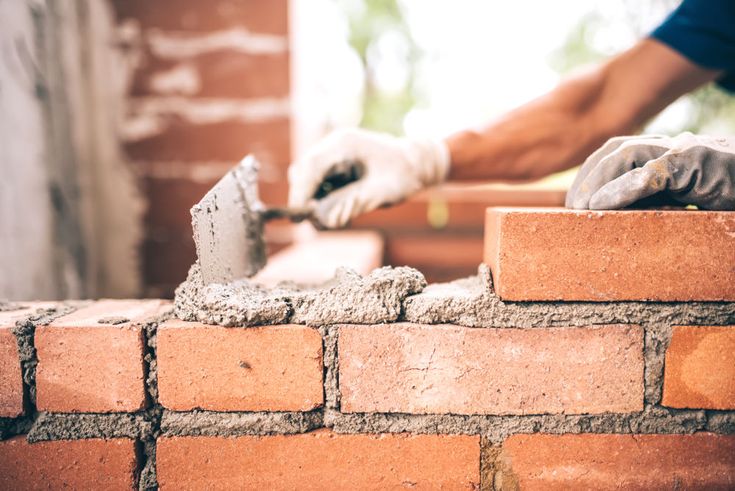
690,169
390,168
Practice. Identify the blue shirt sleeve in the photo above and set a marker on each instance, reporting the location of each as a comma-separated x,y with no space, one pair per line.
704,32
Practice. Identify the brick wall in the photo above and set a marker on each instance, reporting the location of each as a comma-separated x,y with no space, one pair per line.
466,390
211,84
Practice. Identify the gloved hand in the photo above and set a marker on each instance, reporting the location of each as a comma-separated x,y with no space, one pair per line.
391,170
690,169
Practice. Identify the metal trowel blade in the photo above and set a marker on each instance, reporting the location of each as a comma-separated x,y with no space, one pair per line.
228,226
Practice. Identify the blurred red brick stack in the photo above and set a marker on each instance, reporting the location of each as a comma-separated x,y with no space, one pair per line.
211,84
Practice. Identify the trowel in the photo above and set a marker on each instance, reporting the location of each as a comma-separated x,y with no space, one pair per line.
228,222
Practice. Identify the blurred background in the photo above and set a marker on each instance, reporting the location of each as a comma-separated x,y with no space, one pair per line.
116,116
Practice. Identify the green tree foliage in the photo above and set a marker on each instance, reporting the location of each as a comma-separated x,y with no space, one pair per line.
368,20
709,109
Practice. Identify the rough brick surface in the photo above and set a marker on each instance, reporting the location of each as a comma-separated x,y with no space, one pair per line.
700,368
78,464
549,462
92,360
276,368
557,254
320,460
11,379
412,368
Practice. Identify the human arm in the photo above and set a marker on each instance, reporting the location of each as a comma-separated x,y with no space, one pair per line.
560,129
551,133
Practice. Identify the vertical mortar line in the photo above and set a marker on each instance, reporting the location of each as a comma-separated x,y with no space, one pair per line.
147,478
656,338
494,473
330,373
486,463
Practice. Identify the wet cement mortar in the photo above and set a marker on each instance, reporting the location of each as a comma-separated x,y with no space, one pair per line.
348,298
386,295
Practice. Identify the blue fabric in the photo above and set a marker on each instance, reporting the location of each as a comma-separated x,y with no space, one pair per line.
704,32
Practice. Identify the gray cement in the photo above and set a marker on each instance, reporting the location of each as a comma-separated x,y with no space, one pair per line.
498,428
208,423
330,335
354,299
390,294
472,302
67,426
239,303
347,298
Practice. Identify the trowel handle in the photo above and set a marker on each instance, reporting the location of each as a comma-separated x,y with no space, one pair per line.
339,176
293,214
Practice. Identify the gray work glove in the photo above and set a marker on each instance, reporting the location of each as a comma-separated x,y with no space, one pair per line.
689,169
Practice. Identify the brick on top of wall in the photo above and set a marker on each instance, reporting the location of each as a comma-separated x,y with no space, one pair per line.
700,368
605,461
92,359
320,460
275,368
558,254
413,368
76,464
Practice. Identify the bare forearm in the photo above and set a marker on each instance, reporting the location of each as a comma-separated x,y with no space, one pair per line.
560,129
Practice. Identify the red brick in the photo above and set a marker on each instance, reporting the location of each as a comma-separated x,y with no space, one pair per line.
11,378
549,462
557,254
700,368
219,74
320,460
315,260
230,140
277,368
269,16
75,464
88,366
412,368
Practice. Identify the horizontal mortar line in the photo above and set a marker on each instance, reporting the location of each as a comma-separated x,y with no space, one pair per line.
172,44
374,423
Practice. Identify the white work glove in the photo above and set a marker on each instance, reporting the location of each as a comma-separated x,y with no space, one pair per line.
689,169
391,169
